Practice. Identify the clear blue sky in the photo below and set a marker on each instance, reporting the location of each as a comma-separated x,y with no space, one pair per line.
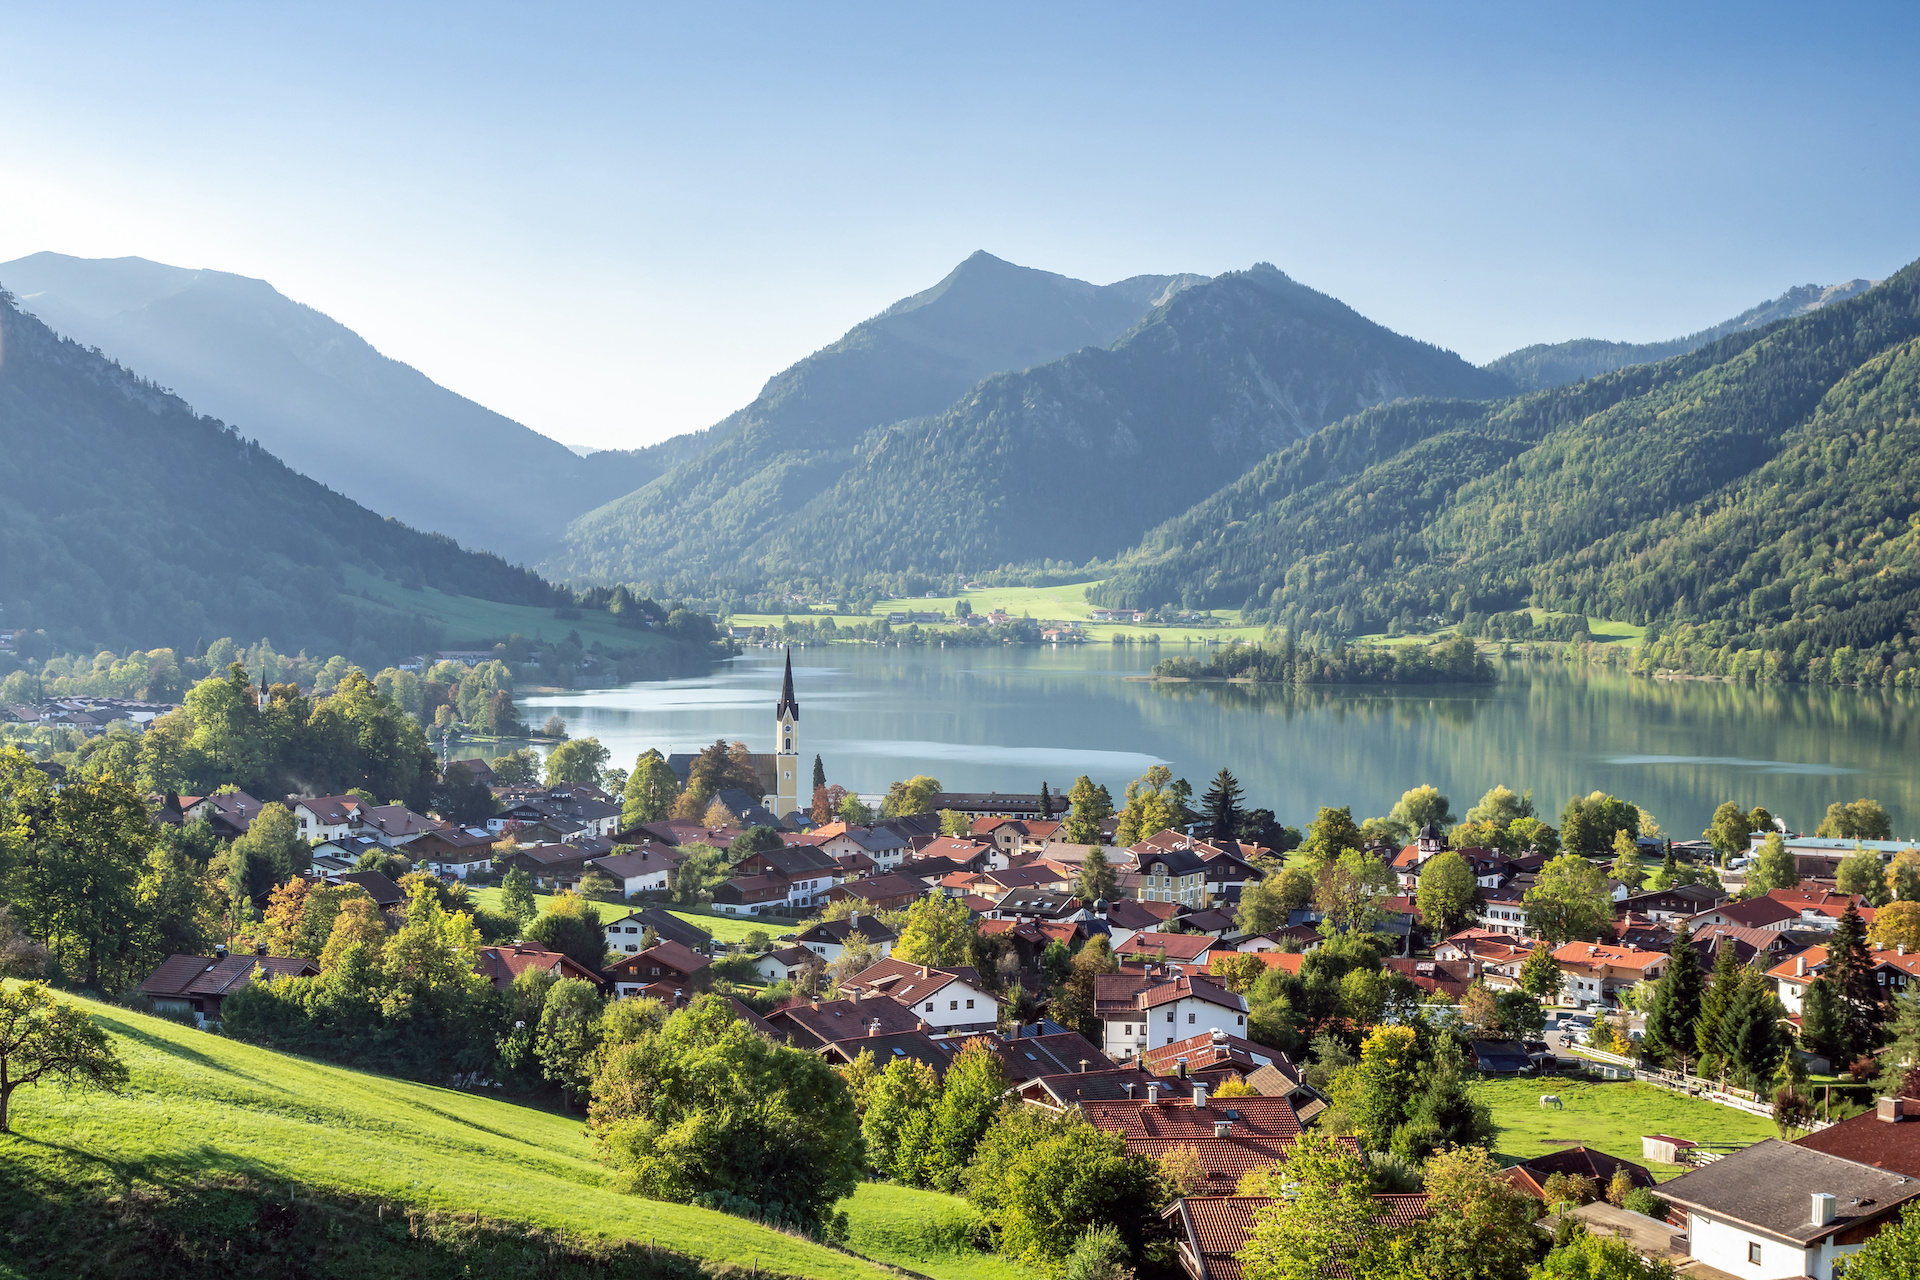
614,224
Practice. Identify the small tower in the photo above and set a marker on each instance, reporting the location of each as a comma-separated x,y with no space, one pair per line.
786,739
1431,841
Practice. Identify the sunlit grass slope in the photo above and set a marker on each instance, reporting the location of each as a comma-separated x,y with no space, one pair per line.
200,1107
1607,1117
469,620
922,1231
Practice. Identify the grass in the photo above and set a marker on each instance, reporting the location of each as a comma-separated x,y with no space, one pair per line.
199,1106
472,621
1609,1118
725,928
1603,631
1064,603
922,1231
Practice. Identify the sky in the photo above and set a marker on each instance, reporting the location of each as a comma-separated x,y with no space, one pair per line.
615,223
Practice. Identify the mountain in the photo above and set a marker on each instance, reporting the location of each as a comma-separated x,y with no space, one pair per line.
1076,457
316,394
761,465
1764,489
128,520
1558,363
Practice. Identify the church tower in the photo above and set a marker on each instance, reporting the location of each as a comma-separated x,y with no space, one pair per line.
786,738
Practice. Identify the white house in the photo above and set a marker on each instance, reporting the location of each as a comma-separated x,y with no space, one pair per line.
326,817
1138,1012
641,869
828,939
951,999
1776,1210
784,965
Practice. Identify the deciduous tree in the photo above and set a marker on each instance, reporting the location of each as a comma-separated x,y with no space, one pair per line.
1446,894
1774,867
1569,901
1863,819
650,791
937,932
1088,807
43,1038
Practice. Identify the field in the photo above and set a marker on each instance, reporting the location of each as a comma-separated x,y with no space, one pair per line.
1065,603
1602,630
725,928
471,621
1609,1118
200,1108
922,1231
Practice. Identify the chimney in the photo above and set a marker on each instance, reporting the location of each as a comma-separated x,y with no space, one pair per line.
1153,1093
259,948
1223,1128
1183,1067
815,1002
921,1025
873,1028
1083,1065
923,971
1800,965
219,951
1199,1095
1823,1206
1892,1110
1128,1086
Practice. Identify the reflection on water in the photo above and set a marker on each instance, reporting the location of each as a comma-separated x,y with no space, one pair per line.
1009,719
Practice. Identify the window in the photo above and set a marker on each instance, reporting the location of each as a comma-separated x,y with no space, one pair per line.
1169,1015
1753,1252
1189,1019
1128,1030
953,1004
1240,1019
969,1004
929,1006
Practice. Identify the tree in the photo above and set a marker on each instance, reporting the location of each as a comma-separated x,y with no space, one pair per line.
1896,925
1447,893
937,932
1418,807
650,791
1626,866
1099,1254
1330,834
819,774
1096,881
1153,805
1774,867
1823,1023
1074,1007
1862,820
1569,901
1540,975
20,955
969,1094
1587,823
577,760
1221,804
912,795
1903,876
1676,1004
516,896
755,839
709,1112
1717,999
952,822
75,885
1325,1227
1850,969
1901,1054
1087,807
1729,830
572,925
569,1036
717,817
1478,1226
1500,807
1861,873
42,1038
1751,1037
1263,907
854,812
900,1101
1590,1257
1040,1182
1349,890
1891,1254
519,768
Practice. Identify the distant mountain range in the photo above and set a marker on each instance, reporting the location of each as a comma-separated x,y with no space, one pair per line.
317,395
1556,364
1764,487
128,520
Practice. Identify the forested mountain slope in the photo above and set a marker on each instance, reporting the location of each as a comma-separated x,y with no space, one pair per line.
1556,364
127,519
760,465
1767,484
316,394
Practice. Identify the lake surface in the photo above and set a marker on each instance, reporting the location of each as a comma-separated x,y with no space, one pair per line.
1008,719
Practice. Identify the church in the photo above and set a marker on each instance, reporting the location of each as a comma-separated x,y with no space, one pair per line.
778,771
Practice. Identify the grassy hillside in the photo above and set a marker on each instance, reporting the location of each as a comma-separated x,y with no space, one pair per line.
200,1109
922,1231
469,620
1609,1118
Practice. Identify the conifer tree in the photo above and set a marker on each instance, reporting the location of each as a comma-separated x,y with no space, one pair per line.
1751,1036
819,774
1676,1004
1719,995
1222,803
1097,880
1850,969
1823,1025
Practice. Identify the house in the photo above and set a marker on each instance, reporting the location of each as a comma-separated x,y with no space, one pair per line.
1037,904
1593,973
1821,908
883,893
624,934
964,855
751,895
1215,1053
563,809
1188,949
230,815
1138,1011
326,817
1499,1057
946,999
816,1024
386,895
1061,1090
1764,947
394,825
1210,1231
1230,1136
501,965
1681,902
1531,1175
1777,1210
828,939
645,868
1754,913
1893,970
888,1047
1819,857
454,851
1450,978
552,866
993,804
1036,1053
883,845
786,964
1888,1137
198,984
664,965
1169,875
808,870
1125,917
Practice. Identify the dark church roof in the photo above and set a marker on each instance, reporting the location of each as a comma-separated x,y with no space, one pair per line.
787,701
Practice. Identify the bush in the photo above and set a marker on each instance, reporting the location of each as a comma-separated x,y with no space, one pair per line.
1641,1200
1099,1254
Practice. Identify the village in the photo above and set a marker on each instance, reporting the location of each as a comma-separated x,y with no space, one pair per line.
1206,999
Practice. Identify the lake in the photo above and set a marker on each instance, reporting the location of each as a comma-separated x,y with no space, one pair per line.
1007,719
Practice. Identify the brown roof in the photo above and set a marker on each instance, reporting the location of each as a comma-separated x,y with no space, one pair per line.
1766,1187
1208,1050
907,983
1884,1144
1185,947
503,964
1217,1227
219,976
894,1046
815,1024
666,953
1031,1057
1597,1165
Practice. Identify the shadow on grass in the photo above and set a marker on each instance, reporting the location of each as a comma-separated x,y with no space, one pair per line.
174,1049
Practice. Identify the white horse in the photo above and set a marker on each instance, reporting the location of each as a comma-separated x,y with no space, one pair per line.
1550,1100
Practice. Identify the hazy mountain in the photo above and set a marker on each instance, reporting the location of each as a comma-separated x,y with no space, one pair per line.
1556,364
1762,488
128,520
762,464
319,396
1077,458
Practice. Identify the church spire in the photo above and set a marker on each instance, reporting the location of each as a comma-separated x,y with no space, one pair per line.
787,702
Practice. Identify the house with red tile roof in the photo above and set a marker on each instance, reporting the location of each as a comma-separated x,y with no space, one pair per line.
1531,1175
1821,908
198,984
1754,913
1887,1137
1189,949
1140,1011
501,965
1893,971
815,1024
1230,1136
1593,973
946,999
664,964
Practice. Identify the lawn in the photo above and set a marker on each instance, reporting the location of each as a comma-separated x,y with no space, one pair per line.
199,1106
472,621
921,1231
1608,1117
725,928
